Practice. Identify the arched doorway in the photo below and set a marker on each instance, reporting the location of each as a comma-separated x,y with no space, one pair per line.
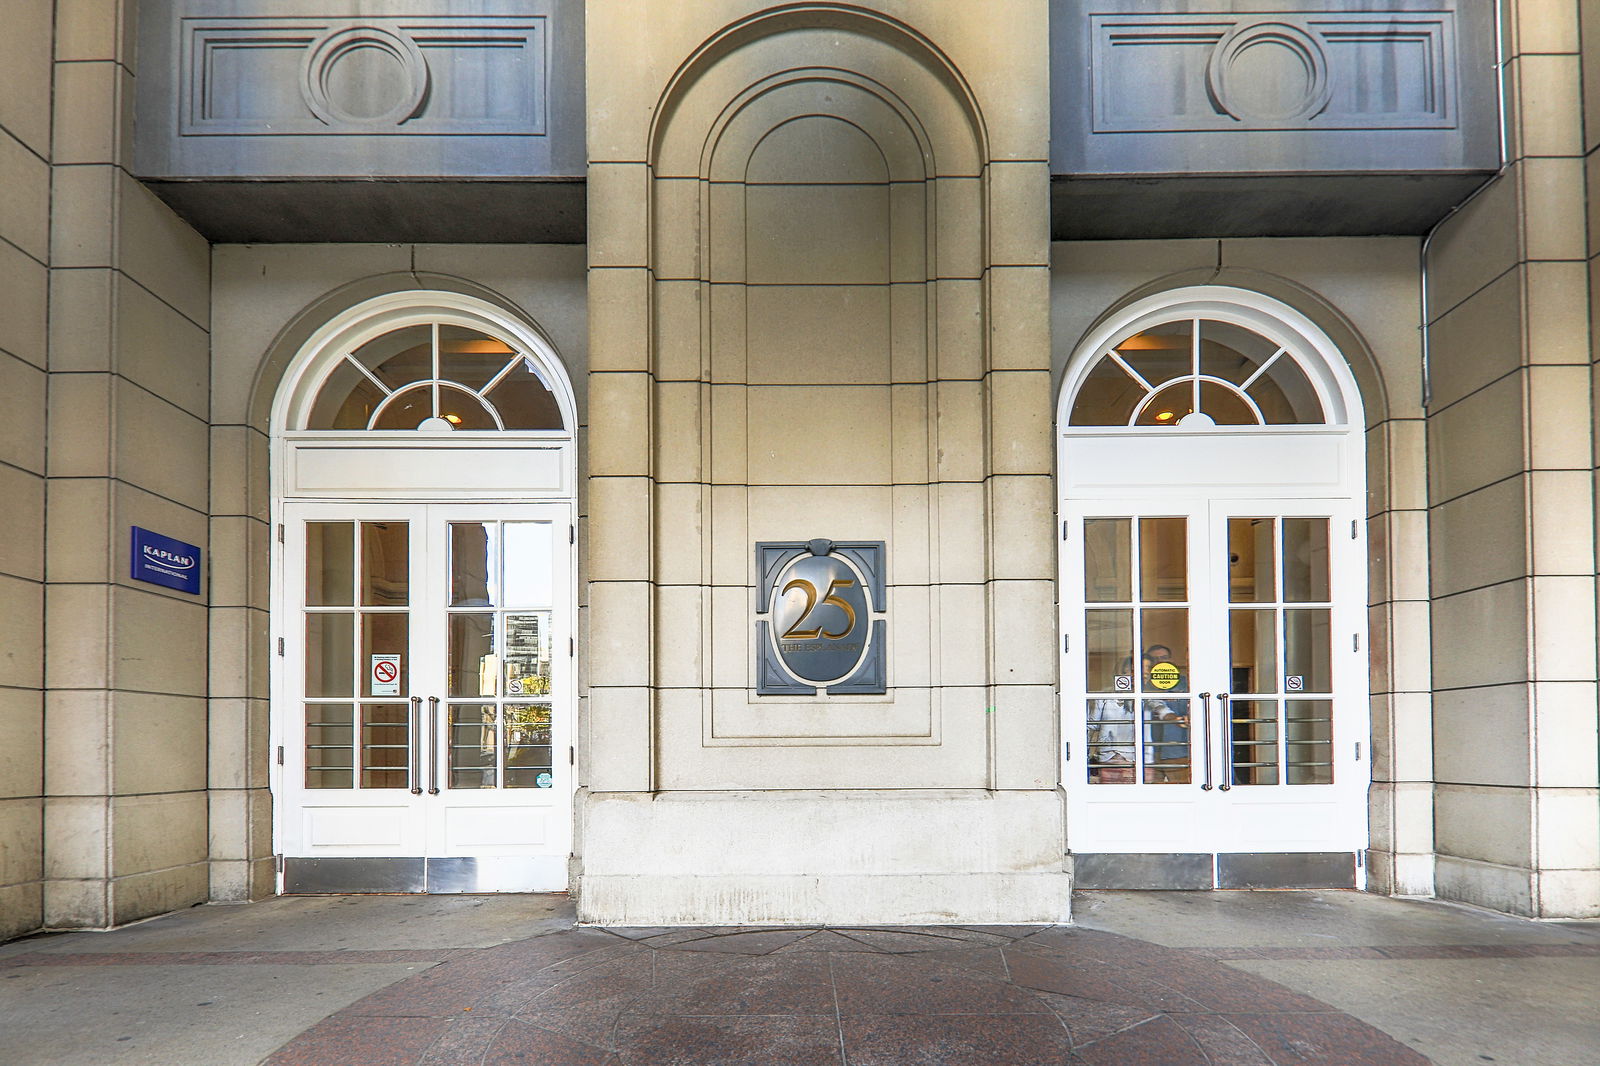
1213,589
423,696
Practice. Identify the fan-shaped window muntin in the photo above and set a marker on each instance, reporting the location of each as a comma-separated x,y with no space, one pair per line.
439,377
1195,372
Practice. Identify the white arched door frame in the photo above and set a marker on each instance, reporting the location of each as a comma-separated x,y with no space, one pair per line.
511,482
1170,827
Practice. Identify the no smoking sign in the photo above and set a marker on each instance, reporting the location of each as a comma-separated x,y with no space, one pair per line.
385,675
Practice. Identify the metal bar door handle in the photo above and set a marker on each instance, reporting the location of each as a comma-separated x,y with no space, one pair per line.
433,737
1205,736
414,769
1227,743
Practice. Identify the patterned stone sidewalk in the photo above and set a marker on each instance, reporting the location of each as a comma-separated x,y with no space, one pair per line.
842,997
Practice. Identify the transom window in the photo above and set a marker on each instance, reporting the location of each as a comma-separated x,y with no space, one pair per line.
436,377
1196,372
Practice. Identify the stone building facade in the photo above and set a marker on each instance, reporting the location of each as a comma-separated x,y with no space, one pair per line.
864,463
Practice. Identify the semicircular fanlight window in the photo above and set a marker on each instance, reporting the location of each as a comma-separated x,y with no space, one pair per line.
436,377
1196,373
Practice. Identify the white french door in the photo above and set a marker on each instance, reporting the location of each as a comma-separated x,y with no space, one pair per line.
1214,676
426,696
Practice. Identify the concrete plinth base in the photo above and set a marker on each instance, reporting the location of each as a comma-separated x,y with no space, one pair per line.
815,858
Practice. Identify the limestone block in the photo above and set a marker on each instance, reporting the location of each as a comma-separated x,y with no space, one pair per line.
1498,887
93,113
1019,334
94,29
1488,824
729,633
1559,503
914,526
724,334
1025,724
75,631
24,199
1025,624
240,550
22,432
958,228
620,741
21,743
1023,526
1480,637
155,832
1411,739
1568,893
77,832
619,313
959,431
142,895
159,642
240,482
239,653
160,251
21,909
1563,625
676,327
911,353
1474,246
1565,743
21,842
160,447
78,729
1557,301
1568,821
619,443
1480,735
910,434
1546,112
619,633
82,201
1403,454
803,512
959,319
680,546
617,534
1559,433
677,227
24,284
1477,341
963,638
730,545
25,82
618,198
680,633
1478,539
963,532
1019,216
1556,215
159,743
1022,439
1477,441
22,524
1407,541
819,334
677,421
833,436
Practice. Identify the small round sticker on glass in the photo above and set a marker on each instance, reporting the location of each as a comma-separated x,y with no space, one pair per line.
544,780
1164,676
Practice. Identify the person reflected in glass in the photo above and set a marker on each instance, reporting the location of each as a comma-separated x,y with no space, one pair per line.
1166,720
1111,736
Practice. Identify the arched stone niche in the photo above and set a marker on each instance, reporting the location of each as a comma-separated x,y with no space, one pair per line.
818,220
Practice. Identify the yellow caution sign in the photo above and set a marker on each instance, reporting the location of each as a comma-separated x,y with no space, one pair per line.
1164,676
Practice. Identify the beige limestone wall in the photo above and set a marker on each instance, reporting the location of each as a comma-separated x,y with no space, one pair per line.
1364,293
25,150
818,252
125,663
1511,494
267,299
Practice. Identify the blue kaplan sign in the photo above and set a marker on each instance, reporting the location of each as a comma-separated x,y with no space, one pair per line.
164,561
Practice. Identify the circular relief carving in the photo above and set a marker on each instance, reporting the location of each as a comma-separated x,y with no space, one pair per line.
1269,73
364,76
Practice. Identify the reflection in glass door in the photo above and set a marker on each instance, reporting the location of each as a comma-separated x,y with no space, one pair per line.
434,699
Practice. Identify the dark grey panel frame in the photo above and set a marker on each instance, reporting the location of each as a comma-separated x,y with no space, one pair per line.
456,88
1150,101
1190,871
1315,869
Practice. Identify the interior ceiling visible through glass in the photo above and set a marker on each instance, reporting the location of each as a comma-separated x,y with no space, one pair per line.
436,377
1196,373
